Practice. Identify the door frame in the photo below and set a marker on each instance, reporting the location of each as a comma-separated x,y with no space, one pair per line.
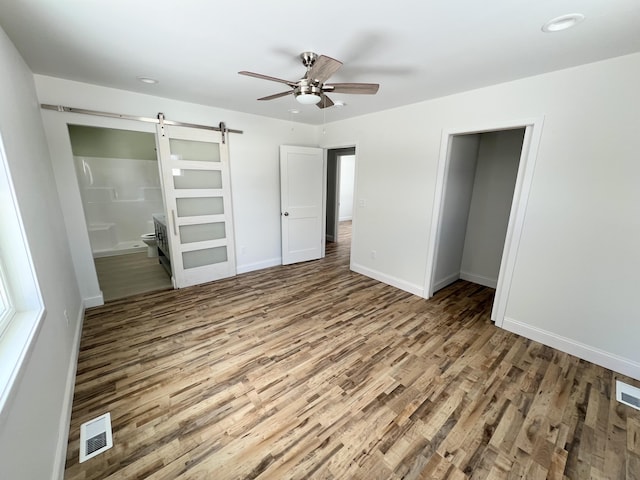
59,142
528,156
333,161
338,153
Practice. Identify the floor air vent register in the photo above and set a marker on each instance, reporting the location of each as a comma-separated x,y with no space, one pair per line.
95,437
628,395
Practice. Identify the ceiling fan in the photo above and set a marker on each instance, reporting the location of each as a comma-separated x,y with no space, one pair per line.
311,88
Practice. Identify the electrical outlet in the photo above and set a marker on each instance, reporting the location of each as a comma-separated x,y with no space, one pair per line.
373,254
243,250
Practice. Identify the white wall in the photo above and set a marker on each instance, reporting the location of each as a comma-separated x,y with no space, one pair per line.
39,409
493,186
575,275
253,159
456,203
347,181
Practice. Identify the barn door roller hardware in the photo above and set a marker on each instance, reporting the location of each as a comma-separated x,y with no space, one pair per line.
159,120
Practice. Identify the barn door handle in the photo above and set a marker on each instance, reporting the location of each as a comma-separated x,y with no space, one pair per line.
173,217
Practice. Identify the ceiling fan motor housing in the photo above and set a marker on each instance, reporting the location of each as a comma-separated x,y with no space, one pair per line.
306,87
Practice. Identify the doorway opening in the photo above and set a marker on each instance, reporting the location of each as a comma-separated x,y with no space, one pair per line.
341,165
119,182
482,187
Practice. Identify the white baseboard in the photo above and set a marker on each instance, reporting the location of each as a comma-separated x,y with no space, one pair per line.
479,279
586,352
250,267
345,219
437,285
388,279
93,301
67,405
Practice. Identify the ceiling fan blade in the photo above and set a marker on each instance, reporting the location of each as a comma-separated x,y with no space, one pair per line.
323,68
358,88
277,95
267,77
324,102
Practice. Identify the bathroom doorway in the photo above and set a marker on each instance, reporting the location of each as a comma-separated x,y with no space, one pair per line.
120,188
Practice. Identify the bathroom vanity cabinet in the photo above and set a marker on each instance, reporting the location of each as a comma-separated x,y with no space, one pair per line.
160,226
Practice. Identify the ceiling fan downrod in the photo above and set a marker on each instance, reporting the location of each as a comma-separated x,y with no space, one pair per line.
308,59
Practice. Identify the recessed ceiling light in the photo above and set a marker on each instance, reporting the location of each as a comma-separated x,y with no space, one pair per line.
563,22
293,110
148,80
339,103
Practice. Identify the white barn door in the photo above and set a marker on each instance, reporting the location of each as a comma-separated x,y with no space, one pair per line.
196,183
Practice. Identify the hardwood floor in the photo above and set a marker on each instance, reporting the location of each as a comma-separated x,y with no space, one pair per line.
122,276
314,371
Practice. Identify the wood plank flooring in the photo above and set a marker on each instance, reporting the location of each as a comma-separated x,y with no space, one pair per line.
312,371
122,276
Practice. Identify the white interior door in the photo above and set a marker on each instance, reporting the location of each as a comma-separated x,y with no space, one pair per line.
196,184
301,202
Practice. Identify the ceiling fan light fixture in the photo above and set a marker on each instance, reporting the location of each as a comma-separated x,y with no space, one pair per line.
308,93
308,98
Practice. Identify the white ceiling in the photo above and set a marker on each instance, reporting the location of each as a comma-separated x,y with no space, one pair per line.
416,50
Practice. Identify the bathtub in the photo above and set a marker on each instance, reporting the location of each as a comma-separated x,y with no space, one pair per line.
104,241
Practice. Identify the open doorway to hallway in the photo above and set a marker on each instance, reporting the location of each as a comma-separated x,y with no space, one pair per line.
340,193
341,248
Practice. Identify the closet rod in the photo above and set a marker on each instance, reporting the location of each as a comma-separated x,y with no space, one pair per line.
60,108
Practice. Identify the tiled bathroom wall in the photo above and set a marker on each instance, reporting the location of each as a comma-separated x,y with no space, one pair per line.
119,197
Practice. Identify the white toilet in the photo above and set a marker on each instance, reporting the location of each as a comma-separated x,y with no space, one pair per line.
152,245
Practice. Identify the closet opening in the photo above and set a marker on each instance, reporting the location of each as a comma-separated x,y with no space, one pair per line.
481,194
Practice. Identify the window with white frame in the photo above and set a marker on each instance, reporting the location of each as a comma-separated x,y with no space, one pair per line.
21,305
6,306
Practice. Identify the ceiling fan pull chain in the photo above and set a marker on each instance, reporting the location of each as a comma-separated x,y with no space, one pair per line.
324,117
